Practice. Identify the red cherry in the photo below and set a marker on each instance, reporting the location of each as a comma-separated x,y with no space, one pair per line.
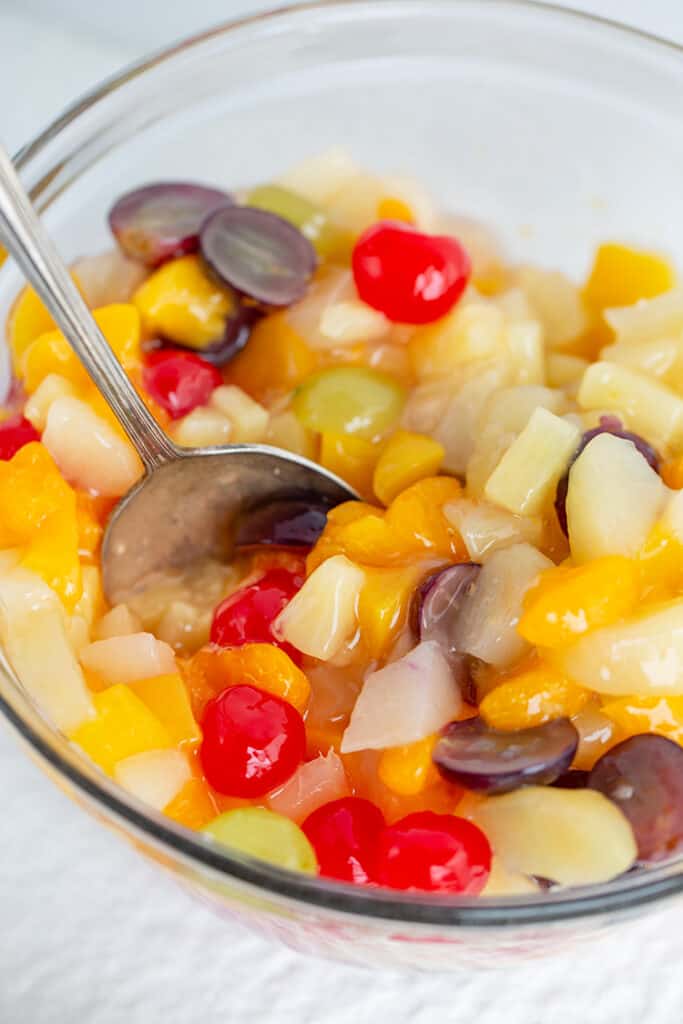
252,741
344,835
434,852
247,616
411,277
14,434
179,381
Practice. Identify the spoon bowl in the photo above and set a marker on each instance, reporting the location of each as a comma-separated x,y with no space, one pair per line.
187,504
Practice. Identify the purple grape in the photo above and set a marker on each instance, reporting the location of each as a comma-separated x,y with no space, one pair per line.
258,254
608,425
491,761
438,600
287,523
158,222
575,778
643,776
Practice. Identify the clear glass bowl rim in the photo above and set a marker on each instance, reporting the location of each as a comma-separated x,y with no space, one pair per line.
445,912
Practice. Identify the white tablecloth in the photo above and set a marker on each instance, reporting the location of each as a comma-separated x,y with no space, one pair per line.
89,933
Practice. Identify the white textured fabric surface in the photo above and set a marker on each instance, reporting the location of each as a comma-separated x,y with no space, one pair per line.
89,933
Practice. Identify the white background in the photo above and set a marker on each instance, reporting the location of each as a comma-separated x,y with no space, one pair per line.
89,933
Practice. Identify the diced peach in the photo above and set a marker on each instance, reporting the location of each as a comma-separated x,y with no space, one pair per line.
567,602
194,806
621,275
167,697
633,715
88,525
406,458
181,302
276,359
352,458
28,319
383,605
122,726
532,697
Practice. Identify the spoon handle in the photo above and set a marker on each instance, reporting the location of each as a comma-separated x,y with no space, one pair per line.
36,255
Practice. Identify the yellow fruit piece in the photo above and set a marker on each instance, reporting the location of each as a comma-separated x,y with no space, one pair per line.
567,602
122,726
276,359
634,715
167,698
181,302
28,319
393,208
88,526
409,769
530,698
51,352
413,526
352,458
660,564
39,515
194,806
672,473
621,275
383,605
212,669
407,457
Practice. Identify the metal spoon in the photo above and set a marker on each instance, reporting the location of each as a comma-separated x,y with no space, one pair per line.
186,505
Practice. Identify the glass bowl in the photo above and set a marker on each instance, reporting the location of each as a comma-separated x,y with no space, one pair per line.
558,129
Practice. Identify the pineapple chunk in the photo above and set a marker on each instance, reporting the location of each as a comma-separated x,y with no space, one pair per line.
48,391
202,428
651,409
487,624
525,479
154,776
320,177
249,419
88,451
649,319
659,358
485,529
525,345
285,430
613,500
575,837
456,429
120,621
323,615
34,635
472,332
642,657
565,371
557,303
123,659
352,321
510,409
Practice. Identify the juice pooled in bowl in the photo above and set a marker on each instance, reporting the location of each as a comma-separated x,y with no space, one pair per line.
467,680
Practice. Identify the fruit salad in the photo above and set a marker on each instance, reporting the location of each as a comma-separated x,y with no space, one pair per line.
469,680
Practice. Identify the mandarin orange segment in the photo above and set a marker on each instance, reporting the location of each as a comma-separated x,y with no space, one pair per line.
409,769
393,208
671,472
352,458
213,669
531,698
406,458
416,518
167,698
276,359
567,602
384,604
